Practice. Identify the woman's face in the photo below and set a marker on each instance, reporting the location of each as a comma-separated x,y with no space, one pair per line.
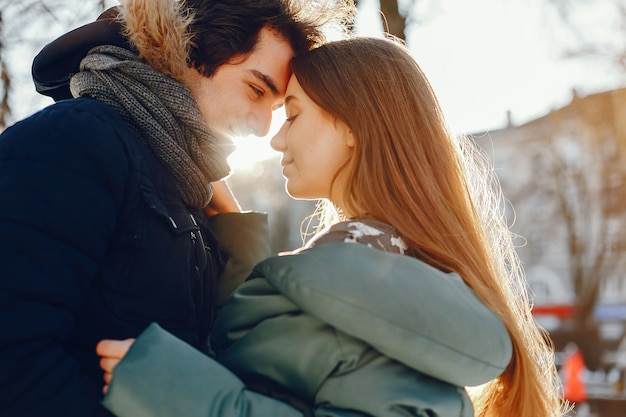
315,146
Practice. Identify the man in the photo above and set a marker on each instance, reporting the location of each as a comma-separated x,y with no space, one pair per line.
104,226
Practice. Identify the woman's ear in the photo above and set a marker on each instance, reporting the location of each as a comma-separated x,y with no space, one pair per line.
346,131
350,141
343,127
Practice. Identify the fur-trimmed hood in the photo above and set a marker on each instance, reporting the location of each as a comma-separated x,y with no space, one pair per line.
158,30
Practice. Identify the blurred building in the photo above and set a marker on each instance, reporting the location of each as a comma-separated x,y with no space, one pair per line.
564,176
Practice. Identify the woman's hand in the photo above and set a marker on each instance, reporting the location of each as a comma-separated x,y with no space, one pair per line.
223,200
111,353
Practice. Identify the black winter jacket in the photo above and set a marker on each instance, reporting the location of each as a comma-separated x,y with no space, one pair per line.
95,242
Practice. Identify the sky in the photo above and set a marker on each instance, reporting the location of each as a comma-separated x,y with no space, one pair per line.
485,58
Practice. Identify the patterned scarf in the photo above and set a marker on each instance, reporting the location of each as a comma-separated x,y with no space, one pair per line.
162,112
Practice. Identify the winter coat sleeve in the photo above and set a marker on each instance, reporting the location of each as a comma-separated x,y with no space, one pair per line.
62,176
161,376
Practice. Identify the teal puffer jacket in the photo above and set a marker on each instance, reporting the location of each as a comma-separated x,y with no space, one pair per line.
349,329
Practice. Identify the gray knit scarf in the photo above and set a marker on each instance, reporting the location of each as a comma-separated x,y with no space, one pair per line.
162,112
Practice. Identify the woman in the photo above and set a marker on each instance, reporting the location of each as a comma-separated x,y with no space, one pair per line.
391,327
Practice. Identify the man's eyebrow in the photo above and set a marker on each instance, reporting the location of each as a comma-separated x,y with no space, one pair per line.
267,80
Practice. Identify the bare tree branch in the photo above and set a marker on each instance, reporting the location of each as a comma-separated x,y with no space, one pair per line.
612,49
21,36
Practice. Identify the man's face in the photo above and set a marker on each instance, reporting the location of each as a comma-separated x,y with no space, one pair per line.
239,98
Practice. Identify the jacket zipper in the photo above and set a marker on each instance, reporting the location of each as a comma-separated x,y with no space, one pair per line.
200,266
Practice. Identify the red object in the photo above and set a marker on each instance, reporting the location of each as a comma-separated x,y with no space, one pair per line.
561,311
573,371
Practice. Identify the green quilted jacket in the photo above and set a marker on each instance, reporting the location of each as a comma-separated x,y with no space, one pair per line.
347,329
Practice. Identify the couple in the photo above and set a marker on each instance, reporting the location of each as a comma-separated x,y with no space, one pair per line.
413,295
392,309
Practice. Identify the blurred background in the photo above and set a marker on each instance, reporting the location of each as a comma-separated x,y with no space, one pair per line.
539,84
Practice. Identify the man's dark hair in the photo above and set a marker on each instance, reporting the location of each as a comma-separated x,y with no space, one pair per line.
222,29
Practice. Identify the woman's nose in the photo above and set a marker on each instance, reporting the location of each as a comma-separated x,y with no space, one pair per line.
278,142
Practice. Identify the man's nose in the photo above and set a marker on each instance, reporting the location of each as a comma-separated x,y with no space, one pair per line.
261,121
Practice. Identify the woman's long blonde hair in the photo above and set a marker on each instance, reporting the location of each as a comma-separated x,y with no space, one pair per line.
439,193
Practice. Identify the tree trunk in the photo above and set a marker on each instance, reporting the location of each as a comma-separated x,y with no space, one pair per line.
393,22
